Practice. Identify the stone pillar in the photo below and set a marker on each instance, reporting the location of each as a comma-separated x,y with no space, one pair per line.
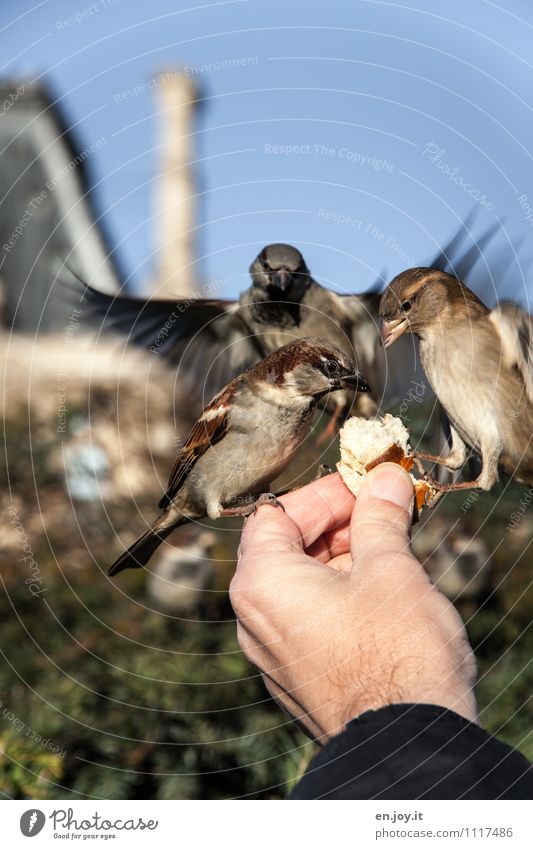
175,205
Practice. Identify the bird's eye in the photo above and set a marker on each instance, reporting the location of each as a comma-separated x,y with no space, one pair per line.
406,306
331,368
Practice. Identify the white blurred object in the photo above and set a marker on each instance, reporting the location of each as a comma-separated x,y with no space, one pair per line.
457,562
178,577
87,468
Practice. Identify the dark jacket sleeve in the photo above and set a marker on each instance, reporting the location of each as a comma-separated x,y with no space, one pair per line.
414,751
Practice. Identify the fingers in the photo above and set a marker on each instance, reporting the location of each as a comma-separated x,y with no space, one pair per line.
270,532
319,507
331,544
382,517
311,511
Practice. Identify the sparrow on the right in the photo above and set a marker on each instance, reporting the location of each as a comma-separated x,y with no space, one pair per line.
479,363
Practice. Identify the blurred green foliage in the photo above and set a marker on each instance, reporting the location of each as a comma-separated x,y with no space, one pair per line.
144,706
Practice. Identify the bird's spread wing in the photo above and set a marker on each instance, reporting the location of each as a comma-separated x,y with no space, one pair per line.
361,313
208,430
206,340
462,253
359,306
515,329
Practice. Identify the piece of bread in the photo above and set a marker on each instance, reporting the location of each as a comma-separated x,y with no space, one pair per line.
367,442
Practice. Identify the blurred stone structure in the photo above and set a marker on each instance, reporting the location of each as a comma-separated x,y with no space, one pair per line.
108,416
175,193
46,213
181,572
89,441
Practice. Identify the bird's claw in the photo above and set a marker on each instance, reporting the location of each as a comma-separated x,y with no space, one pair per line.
323,471
452,487
332,429
267,498
419,465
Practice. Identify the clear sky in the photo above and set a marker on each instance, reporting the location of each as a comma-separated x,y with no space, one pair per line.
362,131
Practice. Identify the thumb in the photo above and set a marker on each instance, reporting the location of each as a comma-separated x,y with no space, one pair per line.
381,520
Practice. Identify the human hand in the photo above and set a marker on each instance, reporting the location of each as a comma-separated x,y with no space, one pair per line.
338,614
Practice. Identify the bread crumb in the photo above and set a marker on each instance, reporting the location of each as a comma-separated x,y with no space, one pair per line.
365,443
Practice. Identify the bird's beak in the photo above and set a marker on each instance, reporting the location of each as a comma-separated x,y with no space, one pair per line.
282,279
355,381
392,330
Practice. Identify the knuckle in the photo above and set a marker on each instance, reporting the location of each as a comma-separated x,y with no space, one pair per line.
246,597
381,524
246,643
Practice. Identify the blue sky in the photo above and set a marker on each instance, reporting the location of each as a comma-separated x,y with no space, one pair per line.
362,131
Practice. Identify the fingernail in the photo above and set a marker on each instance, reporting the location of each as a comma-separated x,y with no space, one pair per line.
389,482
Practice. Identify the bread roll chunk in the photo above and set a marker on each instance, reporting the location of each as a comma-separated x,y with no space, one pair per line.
366,443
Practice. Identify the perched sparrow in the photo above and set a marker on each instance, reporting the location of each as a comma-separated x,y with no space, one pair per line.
245,438
480,365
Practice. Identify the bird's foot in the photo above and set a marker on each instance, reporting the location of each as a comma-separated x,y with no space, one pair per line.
323,471
333,426
251,506
452,487
419,465
268,498
450,461
429,458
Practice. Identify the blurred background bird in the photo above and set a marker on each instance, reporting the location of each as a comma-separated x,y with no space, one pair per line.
480,365
246,436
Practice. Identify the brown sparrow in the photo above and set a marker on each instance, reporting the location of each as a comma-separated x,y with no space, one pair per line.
480,365
245,437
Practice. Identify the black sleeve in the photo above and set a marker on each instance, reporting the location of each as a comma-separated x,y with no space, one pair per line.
414,751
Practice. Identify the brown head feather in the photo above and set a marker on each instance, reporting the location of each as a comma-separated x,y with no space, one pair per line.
423,296
285,359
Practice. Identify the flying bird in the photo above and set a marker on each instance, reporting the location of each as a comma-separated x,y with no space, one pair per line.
479,363
246,436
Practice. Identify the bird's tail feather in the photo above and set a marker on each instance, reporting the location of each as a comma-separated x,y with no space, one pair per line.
139,553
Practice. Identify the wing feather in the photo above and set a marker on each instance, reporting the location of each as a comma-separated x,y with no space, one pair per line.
208,430
207,341
515,329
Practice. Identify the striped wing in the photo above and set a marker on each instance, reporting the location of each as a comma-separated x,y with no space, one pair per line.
208,430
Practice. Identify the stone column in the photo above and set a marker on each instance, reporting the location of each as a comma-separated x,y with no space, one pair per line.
175,203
